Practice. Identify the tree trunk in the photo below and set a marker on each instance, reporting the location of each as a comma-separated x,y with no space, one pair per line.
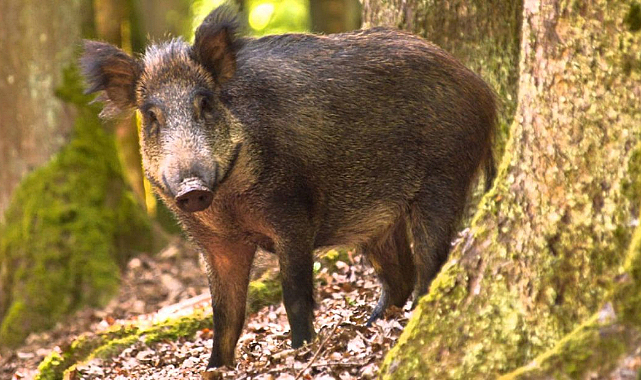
550,245
164,19
334,16
71,223
115,21
37,39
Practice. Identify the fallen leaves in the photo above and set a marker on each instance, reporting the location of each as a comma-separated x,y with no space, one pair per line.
344,348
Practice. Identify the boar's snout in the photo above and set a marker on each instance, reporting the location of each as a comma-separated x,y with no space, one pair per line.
193,195
190,183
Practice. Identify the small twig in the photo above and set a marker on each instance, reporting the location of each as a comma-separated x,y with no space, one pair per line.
339,364
318,351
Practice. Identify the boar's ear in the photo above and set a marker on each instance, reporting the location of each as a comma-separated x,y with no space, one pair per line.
113,71
215,43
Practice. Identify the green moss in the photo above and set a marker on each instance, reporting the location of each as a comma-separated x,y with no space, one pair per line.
68,227
597,344
47,370
55,364
114,347
390,366
264,291
175,328
112,342
627,298
331,257
13,318
575,354
447,292
631,186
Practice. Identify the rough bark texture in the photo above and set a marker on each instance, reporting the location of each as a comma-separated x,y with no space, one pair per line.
594,348
548,242
37,39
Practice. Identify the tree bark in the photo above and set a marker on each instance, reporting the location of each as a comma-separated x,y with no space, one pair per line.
547,267
37,40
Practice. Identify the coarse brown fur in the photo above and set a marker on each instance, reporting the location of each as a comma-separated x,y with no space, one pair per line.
370,139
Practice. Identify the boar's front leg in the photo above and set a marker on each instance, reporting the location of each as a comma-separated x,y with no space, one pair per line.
228,267
296,270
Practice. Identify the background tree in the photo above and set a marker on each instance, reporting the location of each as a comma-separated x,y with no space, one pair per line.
72,222
334,16
161,19
37,41
550,245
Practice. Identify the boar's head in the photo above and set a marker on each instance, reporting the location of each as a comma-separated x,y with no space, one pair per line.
189,139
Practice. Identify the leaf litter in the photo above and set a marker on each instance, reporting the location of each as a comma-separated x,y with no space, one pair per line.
172,283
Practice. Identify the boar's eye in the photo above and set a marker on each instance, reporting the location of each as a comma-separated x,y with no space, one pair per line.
151,116
203,104
152,123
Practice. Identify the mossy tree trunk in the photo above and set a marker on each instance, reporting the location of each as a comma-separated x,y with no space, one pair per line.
547,270
36,40
73,222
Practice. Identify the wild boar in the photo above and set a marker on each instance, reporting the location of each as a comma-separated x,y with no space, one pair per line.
296,142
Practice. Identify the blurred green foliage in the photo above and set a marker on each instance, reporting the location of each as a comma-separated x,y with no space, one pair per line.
262,17
274,17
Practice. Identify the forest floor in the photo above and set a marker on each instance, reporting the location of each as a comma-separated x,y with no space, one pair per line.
174,282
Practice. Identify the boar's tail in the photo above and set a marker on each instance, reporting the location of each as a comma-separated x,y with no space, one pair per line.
490,171
489,108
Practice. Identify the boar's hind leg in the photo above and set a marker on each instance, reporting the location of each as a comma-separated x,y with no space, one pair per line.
296,270
433,221
228,272
391,257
